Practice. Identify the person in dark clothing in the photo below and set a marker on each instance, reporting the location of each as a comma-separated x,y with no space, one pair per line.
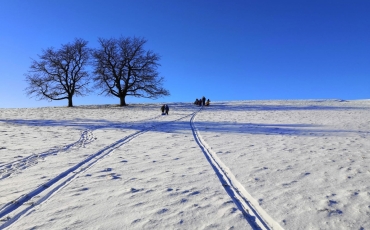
167,109
200,102
196,102
204,100
162,109
207,102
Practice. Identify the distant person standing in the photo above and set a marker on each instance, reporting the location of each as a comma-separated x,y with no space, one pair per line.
207,102
203,100
162,109
167,109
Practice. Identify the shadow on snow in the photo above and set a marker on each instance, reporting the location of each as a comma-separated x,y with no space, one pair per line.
305,105
179,126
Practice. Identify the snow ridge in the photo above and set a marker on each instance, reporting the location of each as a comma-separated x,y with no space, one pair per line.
250,208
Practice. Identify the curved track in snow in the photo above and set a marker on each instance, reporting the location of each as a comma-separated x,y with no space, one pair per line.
16,166
12,211
87,136
15,209
250,208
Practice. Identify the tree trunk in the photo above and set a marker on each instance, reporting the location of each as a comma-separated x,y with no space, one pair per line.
70,103
123,101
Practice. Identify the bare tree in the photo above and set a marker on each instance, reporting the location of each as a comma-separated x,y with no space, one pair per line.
60,74
123,68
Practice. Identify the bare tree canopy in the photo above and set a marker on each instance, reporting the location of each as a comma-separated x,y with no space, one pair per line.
123,68
60,74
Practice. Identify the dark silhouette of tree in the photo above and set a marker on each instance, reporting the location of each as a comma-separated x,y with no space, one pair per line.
60,74
123,68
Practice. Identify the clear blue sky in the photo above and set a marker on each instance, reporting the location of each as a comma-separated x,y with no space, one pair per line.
224,50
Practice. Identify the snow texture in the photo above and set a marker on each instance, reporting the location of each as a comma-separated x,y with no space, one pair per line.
232,165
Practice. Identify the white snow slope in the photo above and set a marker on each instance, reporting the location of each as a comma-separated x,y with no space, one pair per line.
232,165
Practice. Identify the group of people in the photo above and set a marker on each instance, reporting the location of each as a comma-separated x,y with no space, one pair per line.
198,102
202,101
165,109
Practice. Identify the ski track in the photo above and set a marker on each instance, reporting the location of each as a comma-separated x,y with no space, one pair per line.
87,136
250,208
27,202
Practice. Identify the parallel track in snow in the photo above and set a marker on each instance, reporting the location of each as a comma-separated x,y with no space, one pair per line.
15,209
254,214
250,208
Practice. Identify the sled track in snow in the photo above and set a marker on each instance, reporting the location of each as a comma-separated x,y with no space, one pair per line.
250,208
87,136
15,209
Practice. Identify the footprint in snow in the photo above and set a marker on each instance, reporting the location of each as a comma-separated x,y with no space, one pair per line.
332,202
162,211
114,176
233,210
136,221
228,202
134,190
194,193
335,212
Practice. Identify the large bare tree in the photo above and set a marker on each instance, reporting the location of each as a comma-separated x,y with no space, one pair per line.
60,74
123,68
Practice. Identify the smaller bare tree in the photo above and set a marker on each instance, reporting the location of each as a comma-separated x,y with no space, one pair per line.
60,74
124,68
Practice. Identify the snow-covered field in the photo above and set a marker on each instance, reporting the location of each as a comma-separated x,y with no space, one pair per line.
232,165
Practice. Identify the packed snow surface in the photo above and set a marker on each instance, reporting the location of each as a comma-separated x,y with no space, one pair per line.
231,165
